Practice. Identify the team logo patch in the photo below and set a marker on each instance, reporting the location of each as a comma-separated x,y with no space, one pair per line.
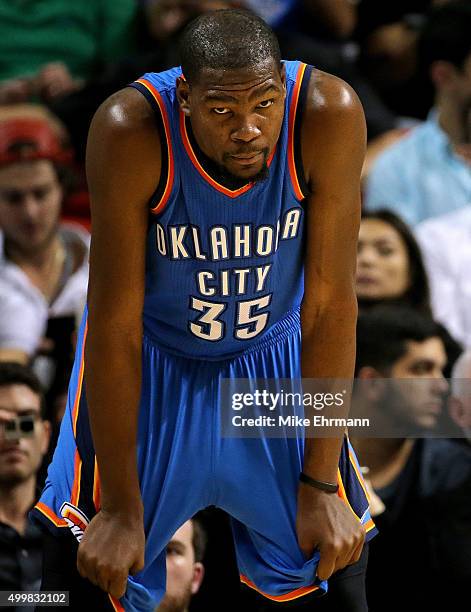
76,520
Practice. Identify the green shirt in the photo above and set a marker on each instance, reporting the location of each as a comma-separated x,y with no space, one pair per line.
84,34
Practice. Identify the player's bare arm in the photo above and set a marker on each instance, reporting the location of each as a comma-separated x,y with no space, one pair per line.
333,149
123,167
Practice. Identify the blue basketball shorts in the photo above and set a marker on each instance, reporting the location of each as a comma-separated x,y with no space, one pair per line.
185,465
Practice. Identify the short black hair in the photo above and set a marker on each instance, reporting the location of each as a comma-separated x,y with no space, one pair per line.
227,39
12,373
446,35
417,294
383,333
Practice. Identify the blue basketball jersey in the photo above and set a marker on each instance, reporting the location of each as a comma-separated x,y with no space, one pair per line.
223,265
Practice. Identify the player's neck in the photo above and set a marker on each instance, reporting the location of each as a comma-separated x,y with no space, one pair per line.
211,167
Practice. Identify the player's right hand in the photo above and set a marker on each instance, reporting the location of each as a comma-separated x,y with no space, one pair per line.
112,548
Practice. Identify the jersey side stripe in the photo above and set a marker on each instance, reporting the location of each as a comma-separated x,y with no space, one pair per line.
158,208
96,487
75,412
358,473
115,603
78,391
292,119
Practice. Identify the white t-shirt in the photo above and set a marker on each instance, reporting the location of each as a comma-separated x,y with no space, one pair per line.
24,311
446,246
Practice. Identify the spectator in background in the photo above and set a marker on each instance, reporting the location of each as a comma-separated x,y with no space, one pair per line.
387,35
414,478
459,404
49,49
390,270
446,246
389,263
22,449
427,173
185,570
43,265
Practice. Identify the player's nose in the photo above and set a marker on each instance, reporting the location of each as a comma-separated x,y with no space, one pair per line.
246,132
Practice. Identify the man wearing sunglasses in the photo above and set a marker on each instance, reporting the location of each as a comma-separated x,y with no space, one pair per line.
24,439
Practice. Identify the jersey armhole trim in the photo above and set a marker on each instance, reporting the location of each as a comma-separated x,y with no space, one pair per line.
163,191
298,103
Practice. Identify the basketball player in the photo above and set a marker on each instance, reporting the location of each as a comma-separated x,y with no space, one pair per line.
225,204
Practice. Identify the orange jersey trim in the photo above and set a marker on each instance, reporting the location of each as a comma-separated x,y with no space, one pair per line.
358,474
49,514
292,119
286,597
78,392
77,476
158,208
232,193
96,487
115,603
369,525
342,493
75,412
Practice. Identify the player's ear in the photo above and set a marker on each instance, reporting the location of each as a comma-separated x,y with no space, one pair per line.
183,95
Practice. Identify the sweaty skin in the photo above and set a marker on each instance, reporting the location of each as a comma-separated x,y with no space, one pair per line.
235,115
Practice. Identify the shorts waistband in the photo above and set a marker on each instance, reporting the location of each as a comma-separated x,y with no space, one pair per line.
286,327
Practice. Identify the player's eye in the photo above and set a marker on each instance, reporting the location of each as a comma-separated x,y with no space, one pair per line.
266,103
221,110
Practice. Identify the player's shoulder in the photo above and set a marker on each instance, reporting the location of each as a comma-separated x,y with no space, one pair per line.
333,123
329,96
124,113
122,140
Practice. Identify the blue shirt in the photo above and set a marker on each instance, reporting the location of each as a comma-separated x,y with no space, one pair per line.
419,176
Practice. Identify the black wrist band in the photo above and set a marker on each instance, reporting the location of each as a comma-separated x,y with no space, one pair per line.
328,487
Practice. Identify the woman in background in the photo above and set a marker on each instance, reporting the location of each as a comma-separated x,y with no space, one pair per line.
390,269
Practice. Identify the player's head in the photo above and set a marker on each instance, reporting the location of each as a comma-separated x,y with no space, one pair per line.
460,400
445,51
233,90
390,267
30,184
399,343
24,434
185,570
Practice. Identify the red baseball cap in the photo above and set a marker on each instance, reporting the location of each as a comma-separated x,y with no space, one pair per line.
25,139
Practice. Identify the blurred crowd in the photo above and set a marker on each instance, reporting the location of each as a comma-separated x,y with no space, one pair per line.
410,63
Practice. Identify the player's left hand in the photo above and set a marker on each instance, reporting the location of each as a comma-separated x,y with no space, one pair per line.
325,522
